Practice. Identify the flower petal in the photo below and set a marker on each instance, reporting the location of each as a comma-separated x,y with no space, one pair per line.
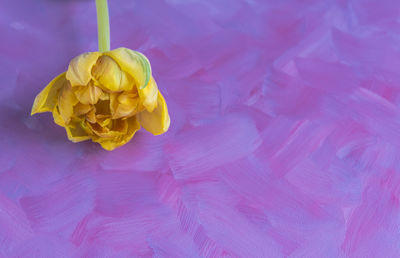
47,98
76,133
57,117
134,63
98,130
89,94
82,109
149,95
109,75
158,121
80,68
91,116
113,102
125,104
110,144
66,103
133,126
104,121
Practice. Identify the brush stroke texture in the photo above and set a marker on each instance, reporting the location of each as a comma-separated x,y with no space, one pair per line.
284,138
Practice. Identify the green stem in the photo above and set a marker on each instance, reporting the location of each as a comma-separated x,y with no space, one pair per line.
103,25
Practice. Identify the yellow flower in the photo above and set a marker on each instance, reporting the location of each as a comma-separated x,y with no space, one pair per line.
105,97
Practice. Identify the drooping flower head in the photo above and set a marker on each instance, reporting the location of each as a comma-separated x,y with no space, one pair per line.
105,97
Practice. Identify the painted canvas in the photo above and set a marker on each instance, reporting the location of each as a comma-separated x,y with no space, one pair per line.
284,136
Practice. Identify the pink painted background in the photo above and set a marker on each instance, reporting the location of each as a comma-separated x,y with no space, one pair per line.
284,138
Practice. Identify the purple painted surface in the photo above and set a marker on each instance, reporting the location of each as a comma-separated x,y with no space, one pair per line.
284,138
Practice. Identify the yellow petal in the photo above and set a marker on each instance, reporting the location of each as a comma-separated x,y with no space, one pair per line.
76,133
57,117
66,103
47,98
134,63
110,144
104,121
125,104
91,116
148,95
119,127
110,76
113,102
127,97
133,127
158,121
98,130
89,94
105,96
82,109
114,130
80,68
87,129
